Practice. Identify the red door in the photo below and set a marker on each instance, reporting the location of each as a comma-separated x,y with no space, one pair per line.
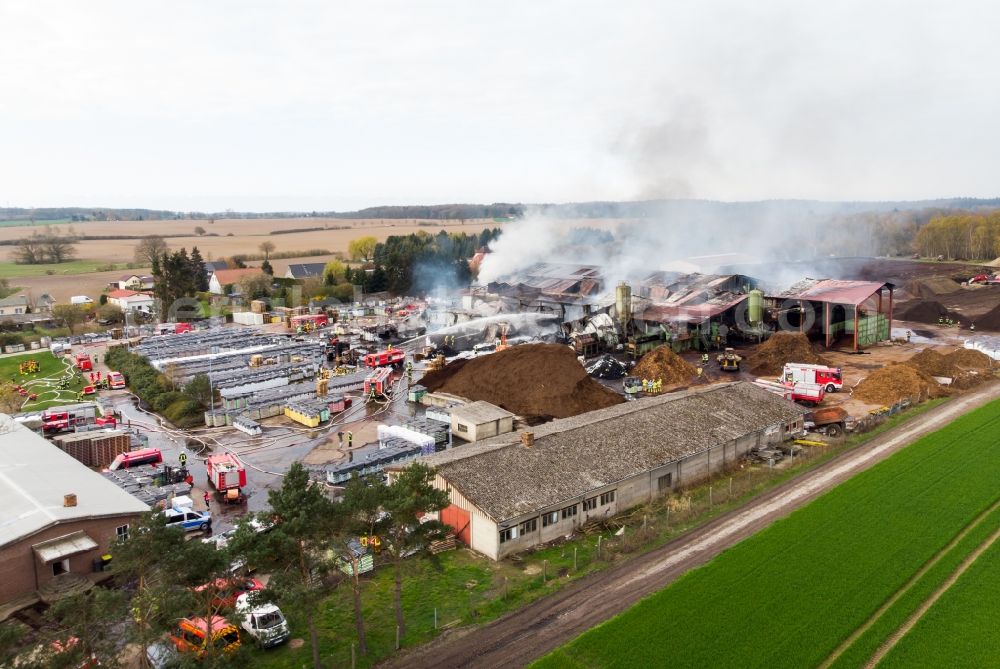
460,521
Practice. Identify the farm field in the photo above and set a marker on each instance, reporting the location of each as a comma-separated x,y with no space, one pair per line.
80,278
46,382
791,595
959,630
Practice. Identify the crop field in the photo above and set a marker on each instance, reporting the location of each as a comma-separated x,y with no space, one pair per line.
830,583
224,237
960,629
46,383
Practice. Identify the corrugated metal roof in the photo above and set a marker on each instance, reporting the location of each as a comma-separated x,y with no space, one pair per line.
34,477
689,312
833,290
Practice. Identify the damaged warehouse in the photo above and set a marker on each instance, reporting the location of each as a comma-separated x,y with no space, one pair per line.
512,492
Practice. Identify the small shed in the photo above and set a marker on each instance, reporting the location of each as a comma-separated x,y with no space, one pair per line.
480,420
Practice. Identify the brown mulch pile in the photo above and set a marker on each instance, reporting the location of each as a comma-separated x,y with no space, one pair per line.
966,368
534,381
928,311
664,365
894,382
770,357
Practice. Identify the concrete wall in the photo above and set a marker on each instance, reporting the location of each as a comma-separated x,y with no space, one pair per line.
24,573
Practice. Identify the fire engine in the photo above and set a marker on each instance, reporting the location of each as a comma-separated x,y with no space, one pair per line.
227,475
83,362
61,419
829,377
377,382
385,358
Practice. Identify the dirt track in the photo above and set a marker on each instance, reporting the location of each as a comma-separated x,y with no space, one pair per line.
525,635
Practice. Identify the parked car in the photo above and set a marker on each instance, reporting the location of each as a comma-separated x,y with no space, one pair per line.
264,622
229,589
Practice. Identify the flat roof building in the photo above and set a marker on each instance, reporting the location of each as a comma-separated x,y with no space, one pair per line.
56,515
480,420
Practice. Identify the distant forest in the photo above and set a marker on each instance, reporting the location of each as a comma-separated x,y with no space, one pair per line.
506,210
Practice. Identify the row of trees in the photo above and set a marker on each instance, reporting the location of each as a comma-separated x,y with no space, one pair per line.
968,236
48,245
178,275
422,262
308,551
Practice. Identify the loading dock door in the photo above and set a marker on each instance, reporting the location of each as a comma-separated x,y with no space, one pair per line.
460,521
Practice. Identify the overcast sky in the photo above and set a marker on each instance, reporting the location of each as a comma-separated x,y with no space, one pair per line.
263,105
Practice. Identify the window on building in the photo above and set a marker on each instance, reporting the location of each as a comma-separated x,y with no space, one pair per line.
508,535
528,526
122,532
550,518
665,482
462,427
590,504
569,511
607,497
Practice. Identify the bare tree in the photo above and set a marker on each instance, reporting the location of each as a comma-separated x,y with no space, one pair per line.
149,248
59,246
199,230
267,248
30,250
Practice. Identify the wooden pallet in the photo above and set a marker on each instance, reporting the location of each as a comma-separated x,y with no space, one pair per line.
443,545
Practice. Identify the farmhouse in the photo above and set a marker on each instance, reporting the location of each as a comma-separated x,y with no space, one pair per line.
512,492
480,420
14,305
307,270
134,282
130,300
59,516
222,278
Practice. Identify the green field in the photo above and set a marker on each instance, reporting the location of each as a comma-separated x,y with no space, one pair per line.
45,383
960,629
10,270
20,222
790,595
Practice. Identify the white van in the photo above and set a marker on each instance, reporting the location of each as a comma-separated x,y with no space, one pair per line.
264,622
80,299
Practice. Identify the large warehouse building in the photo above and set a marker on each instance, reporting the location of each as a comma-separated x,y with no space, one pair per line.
56,515
514,491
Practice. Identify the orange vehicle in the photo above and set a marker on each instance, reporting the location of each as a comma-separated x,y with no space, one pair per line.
192,635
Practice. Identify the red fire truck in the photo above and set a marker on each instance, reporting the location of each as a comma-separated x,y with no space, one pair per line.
227,475
378,382
385,358
83,362
61,419
829,377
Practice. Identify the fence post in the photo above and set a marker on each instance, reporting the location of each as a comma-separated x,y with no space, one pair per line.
397,637
352,655
730,487
435,617
574,558
545,569
710,497
599,546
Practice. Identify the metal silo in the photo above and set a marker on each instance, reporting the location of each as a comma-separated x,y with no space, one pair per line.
755,307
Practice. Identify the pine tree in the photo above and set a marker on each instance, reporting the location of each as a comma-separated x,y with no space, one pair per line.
198,270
